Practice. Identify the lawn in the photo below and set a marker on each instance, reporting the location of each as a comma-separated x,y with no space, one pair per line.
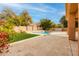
20,36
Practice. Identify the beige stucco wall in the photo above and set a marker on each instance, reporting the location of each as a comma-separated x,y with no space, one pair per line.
30,28
19,28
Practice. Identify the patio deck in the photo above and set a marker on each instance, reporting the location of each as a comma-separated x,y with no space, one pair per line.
55,44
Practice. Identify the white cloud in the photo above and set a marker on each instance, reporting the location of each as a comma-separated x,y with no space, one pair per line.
61,13
48,8
41,8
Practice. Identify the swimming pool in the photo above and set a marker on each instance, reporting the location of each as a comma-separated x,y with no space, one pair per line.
45,33
42,33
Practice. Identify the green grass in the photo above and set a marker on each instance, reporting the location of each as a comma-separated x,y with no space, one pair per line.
20,36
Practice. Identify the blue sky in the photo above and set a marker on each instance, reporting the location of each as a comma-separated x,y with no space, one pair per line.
37,11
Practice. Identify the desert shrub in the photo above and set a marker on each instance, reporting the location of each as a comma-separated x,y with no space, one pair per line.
3,41
6,29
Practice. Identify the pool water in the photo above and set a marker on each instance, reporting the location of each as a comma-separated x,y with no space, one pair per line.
45,33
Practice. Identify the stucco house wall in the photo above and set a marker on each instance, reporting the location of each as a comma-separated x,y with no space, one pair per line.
29,28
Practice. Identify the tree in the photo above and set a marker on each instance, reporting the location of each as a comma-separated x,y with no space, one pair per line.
46,24
59,26
63,21
25,19
11,19
8,13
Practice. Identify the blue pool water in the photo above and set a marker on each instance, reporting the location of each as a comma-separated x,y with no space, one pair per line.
46,33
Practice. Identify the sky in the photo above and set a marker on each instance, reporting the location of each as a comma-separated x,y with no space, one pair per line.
52,11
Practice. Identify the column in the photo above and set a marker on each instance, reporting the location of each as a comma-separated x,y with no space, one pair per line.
78,29
71,26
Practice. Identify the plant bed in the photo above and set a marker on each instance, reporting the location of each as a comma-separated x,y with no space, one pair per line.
20,36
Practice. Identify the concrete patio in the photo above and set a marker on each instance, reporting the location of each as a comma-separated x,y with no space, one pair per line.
55,44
